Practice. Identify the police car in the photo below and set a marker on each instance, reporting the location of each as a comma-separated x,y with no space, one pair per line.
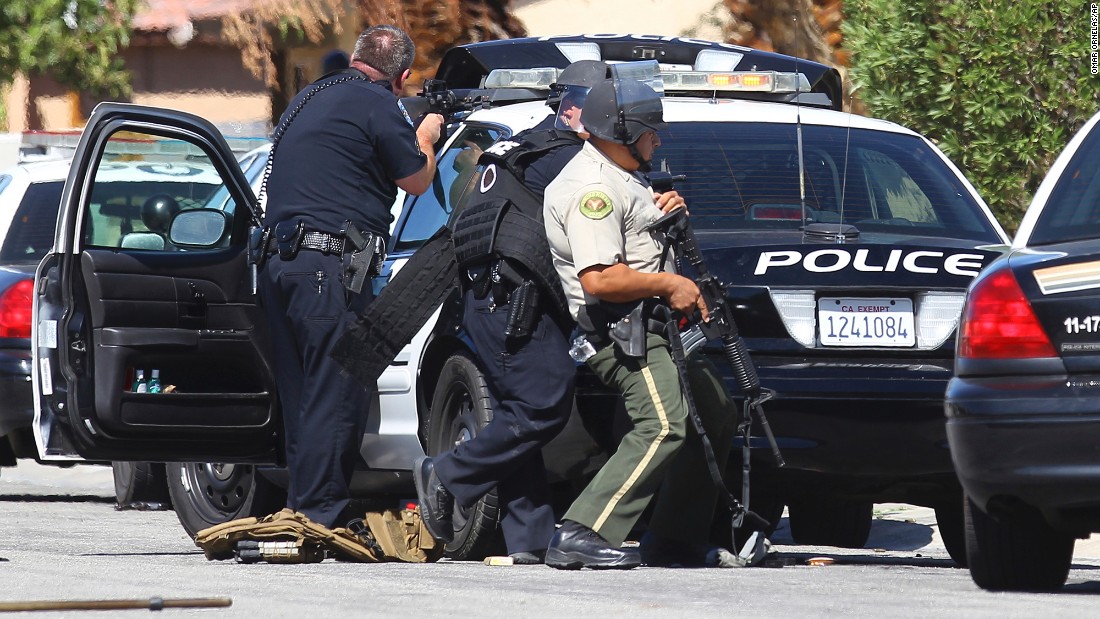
1023,411
846,244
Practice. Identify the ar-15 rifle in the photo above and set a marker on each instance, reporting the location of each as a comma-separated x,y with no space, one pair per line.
435,98
720,324
677,230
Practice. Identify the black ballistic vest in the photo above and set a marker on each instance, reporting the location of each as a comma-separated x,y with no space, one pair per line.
502,217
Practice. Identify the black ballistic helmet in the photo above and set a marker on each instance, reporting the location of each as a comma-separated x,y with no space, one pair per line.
157,212
573,85
621,110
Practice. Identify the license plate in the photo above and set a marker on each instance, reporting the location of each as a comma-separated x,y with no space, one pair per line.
882,321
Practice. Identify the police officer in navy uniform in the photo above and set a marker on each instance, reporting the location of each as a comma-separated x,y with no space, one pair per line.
597,215
340,153
530,379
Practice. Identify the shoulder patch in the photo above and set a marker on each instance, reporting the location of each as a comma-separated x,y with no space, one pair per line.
596,205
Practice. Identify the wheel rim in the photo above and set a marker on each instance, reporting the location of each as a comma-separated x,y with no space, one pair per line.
217,490
463,425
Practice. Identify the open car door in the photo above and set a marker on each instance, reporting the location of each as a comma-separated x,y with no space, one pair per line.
148,271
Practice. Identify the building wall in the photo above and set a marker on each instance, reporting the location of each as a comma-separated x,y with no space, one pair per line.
667,17
207,80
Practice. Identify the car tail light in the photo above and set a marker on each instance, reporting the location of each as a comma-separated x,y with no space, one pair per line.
796,309
998,322
937,316
15,309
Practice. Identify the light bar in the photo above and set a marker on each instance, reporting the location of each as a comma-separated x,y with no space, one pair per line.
736,81
521,78
716,60
645,71
579,51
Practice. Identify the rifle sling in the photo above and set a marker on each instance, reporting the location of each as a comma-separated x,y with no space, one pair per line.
741,514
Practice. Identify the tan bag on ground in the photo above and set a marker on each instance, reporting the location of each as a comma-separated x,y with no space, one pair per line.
291,537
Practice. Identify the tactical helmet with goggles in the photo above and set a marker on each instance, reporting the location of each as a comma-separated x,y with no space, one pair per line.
569,92
621,110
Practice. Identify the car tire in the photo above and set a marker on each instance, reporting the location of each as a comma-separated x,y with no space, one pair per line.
206,494
140,485
460,409
951,523
830,521
1021,553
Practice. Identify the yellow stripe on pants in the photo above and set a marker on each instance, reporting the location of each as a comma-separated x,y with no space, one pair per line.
657,440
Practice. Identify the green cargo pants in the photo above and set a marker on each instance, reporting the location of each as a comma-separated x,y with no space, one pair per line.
658,447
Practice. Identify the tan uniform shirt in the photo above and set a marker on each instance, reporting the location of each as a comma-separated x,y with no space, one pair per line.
595,214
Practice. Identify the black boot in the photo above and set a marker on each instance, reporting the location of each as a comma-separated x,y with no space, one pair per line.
575,546
436,503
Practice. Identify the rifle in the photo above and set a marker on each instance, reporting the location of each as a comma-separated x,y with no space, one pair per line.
435,98
662,180
721,324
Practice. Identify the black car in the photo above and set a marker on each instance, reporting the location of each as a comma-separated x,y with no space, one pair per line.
847,294
1023,411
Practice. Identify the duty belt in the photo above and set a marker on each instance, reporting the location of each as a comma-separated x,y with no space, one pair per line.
600,327
323,242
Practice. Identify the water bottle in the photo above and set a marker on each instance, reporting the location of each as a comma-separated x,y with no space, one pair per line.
140,386
581,349
154,382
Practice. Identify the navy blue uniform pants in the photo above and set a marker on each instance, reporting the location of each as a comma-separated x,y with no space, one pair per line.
324,410
531,390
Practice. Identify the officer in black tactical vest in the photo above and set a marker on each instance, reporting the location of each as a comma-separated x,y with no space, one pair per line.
517,318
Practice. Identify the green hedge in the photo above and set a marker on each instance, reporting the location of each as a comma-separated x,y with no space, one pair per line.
999,85
75,41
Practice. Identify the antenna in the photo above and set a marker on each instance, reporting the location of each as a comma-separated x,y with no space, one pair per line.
844,178
798,131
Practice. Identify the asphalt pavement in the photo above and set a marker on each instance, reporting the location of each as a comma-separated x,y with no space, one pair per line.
897,526
62,539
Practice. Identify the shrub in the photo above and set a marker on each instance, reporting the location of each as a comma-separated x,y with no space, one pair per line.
1000,85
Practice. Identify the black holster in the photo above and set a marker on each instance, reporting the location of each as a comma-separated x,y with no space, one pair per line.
522,310
362,258
628,333
624,324
259,241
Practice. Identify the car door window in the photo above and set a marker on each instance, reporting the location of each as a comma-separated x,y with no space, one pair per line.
31,232
141,182
1072,212
456,170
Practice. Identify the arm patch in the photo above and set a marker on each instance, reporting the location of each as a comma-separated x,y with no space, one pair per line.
596,205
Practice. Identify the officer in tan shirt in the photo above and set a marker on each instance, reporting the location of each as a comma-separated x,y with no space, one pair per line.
596,213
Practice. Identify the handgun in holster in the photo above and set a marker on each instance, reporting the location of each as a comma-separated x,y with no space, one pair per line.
628,333
522,310
360,251
288,238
